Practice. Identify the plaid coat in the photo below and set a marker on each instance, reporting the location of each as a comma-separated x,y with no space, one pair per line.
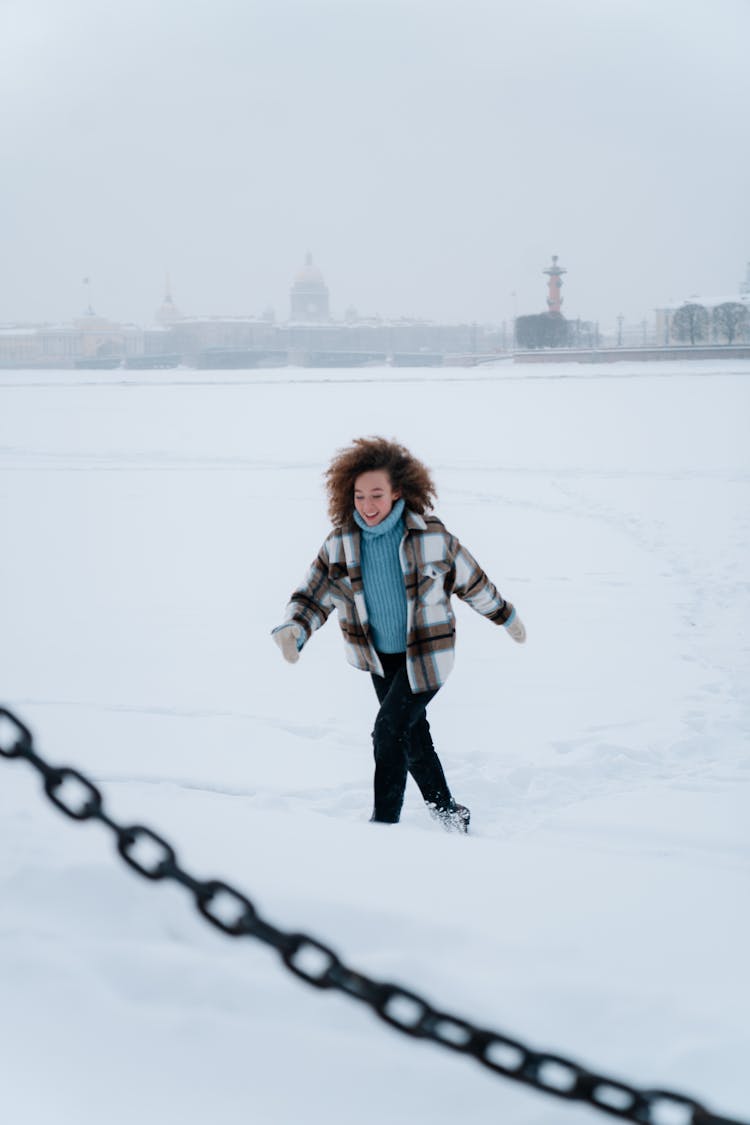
435,566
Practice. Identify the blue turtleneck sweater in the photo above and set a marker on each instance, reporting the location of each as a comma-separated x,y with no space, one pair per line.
383,579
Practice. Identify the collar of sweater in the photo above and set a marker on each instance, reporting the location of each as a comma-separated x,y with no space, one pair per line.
386,525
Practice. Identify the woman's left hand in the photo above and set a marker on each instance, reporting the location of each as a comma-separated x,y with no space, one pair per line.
517,629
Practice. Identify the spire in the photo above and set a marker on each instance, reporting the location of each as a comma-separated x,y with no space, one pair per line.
167,313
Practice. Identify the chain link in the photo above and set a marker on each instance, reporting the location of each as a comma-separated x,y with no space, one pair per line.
234,914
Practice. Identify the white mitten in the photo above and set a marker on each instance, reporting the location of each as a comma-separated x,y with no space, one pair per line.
286,637
516,629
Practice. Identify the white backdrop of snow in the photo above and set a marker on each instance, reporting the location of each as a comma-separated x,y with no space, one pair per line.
152,529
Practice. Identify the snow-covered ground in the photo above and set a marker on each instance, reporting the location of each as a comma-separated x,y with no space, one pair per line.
151,529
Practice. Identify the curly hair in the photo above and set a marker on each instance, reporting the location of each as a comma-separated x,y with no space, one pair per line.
407,475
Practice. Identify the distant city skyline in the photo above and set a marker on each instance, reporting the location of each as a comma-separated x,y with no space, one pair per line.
432,155
168,307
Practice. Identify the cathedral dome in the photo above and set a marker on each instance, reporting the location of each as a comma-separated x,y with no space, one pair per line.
309,274
309,295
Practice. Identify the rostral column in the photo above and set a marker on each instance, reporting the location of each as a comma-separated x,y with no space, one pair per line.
554,285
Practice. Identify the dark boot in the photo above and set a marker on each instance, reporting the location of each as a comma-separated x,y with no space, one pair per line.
453,819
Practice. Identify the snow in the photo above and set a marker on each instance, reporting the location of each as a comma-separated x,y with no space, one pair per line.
152,529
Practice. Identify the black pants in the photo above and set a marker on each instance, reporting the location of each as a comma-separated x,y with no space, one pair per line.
402,743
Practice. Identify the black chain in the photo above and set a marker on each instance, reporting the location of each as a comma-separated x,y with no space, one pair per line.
230,911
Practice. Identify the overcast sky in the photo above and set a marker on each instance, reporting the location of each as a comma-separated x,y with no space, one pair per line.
431,155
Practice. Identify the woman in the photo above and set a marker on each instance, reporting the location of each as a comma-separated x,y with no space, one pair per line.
390,569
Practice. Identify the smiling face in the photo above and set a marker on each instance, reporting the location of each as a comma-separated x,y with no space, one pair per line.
374,496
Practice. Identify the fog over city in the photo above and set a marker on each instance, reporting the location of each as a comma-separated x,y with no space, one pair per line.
431,155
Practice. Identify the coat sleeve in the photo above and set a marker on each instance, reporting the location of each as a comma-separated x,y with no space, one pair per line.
474,587
311,604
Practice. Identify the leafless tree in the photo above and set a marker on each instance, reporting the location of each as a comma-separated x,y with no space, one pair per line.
690,322
730,320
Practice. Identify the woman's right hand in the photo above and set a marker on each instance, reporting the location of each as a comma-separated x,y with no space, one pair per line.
286,637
